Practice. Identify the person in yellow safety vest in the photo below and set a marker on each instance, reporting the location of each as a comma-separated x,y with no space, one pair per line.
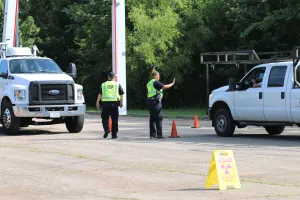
155,94
111,96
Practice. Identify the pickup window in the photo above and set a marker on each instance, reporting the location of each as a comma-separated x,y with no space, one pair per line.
277,76
256,74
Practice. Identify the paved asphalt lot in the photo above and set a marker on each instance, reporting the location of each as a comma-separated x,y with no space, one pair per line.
47,162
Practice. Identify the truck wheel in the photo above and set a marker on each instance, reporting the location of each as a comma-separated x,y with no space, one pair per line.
224,123
74,124
10,122
275,130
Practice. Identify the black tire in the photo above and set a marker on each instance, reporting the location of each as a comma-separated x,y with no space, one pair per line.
275,130
74,124
223,123
11,123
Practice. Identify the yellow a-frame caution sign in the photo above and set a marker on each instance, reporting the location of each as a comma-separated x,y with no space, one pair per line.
223,170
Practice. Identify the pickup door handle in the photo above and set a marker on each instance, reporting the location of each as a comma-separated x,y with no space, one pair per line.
260,95
282,95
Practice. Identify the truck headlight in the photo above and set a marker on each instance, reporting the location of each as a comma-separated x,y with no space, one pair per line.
20,95
79,94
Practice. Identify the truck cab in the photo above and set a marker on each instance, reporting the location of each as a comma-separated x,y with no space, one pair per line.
33,88
268,96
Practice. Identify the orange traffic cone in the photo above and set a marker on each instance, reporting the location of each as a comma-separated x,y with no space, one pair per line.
174,131
109,124
196,123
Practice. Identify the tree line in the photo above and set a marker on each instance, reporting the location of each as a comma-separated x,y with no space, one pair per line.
166,34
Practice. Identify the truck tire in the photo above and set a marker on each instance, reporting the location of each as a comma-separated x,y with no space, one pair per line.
10,122
74,124
223,123
275,130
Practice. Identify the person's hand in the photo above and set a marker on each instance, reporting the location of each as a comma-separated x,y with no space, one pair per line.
98,105
121,104
174,80
258,80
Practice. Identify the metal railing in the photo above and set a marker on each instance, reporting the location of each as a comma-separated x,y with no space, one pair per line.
247,57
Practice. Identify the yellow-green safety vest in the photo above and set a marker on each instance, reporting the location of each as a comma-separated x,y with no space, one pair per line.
110,91
152,91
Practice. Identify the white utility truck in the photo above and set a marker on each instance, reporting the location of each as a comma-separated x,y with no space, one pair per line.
33,87
273,104
34,90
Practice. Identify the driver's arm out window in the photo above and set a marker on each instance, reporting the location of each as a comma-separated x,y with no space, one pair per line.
255,74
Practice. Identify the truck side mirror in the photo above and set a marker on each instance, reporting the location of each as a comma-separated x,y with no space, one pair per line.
72,70
232,84
4,75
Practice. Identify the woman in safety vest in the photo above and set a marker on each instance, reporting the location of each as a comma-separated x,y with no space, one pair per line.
155,93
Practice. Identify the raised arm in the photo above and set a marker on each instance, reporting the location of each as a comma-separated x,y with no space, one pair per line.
169,85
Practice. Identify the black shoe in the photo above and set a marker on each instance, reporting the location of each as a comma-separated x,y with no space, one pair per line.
160,137
153,136
114,137
106,134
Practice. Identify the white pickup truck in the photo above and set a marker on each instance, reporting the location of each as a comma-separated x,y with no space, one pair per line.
33,88
273,105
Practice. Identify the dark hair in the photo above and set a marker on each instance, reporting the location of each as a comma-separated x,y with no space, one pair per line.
111,74
154,73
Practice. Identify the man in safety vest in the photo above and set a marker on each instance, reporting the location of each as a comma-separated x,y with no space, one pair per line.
111,96
155,93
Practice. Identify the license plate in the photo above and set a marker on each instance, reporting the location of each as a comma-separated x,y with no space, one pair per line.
54,115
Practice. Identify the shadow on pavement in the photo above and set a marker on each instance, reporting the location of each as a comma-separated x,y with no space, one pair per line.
240,140
196,189
28,132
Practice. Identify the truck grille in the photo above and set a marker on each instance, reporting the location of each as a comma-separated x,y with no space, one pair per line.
47,88
43,93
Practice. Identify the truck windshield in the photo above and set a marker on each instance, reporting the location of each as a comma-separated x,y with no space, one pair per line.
23,66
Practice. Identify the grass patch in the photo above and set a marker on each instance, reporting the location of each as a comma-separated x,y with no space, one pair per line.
166,112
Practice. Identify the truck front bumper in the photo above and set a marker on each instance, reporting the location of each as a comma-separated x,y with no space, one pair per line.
51,111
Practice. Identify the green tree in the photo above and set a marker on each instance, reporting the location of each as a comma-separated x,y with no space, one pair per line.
28,30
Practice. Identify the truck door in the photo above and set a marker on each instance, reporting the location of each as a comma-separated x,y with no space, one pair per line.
295,97
3,75
249,101
275,98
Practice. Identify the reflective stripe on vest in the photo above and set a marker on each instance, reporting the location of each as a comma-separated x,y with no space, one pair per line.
151,89
110,91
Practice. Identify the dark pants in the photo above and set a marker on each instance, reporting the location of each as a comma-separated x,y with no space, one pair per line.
155,108
110,110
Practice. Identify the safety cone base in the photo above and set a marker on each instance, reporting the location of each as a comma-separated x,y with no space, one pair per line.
174,136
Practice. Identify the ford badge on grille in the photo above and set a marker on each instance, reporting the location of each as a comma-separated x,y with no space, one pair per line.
54,92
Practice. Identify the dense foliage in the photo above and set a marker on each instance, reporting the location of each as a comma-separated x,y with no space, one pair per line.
166,34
